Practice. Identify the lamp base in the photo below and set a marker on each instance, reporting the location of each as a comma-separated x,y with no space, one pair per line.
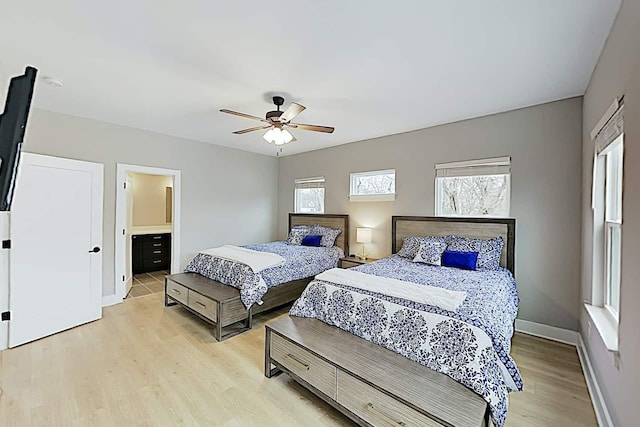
362,255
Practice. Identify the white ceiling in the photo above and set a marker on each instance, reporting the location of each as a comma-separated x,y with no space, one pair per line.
368,68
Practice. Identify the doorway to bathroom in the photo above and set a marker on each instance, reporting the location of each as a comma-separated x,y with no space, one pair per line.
147,229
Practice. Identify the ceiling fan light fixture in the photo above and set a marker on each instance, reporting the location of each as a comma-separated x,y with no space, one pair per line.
270,136
278,136
286,136
276,123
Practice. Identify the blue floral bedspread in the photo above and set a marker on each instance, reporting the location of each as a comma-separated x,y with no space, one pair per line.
300,262
470,345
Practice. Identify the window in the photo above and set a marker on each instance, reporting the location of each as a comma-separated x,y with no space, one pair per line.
608,219
373,186
474,188
613,223
604,308
309,195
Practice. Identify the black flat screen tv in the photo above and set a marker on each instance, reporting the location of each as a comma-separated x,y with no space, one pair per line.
13,123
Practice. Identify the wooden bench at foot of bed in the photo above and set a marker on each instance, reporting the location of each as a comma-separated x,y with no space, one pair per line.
368,383
220,304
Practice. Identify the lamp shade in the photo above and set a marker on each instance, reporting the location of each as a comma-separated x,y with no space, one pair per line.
363,235
278,136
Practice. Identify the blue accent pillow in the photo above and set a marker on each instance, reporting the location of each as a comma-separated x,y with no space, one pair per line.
311,240
462,260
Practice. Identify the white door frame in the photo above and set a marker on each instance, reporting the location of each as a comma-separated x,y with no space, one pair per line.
5,218
121,220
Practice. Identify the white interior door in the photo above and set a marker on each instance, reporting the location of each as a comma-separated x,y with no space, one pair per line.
128,270
56,235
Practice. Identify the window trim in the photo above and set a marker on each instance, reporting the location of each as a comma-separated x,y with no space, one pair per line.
306,183
471,168
606,302
607,136
374,197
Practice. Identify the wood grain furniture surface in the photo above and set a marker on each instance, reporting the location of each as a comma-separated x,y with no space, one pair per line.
436,398
150,252
229,308
212,301
368,383
353,261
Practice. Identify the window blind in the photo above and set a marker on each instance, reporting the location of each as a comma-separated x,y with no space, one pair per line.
611,130
315,182
493,166
611,126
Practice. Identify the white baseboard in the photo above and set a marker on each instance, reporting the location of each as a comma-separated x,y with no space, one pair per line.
110,300
599,405
545,331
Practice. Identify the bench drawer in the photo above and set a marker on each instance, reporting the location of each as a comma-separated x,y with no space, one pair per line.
203,305
177,291
375,407
310,368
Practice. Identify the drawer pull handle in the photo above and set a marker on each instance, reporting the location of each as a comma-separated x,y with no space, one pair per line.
155,245
158,261
382,416
176,291
201,304
157,237
157,252
298,361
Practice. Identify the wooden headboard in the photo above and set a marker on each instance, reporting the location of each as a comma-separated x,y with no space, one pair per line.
325,220
479,228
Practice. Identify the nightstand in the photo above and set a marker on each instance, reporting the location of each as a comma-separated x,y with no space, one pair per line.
353,261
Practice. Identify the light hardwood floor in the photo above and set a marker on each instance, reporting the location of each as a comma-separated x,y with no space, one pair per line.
147,365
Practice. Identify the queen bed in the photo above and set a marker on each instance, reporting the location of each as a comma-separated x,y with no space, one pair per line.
448,330
238,291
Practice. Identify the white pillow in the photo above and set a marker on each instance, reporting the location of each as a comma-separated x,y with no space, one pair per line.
296,234
430,252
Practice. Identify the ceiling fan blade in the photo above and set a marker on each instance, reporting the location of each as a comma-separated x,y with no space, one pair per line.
246,116
240,132
314,128
292,110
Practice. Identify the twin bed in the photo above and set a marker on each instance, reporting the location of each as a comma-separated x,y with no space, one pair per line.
468,343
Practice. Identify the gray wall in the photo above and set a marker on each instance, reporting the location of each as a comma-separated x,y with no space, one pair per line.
228,196
544,143
617,73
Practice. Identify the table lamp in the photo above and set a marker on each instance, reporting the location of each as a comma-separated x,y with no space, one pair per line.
363,235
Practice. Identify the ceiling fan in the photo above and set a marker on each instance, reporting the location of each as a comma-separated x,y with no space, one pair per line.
277,121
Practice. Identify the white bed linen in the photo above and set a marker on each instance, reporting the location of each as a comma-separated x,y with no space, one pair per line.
438,297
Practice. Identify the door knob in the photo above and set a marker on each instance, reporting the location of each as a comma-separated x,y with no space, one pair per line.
94,250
